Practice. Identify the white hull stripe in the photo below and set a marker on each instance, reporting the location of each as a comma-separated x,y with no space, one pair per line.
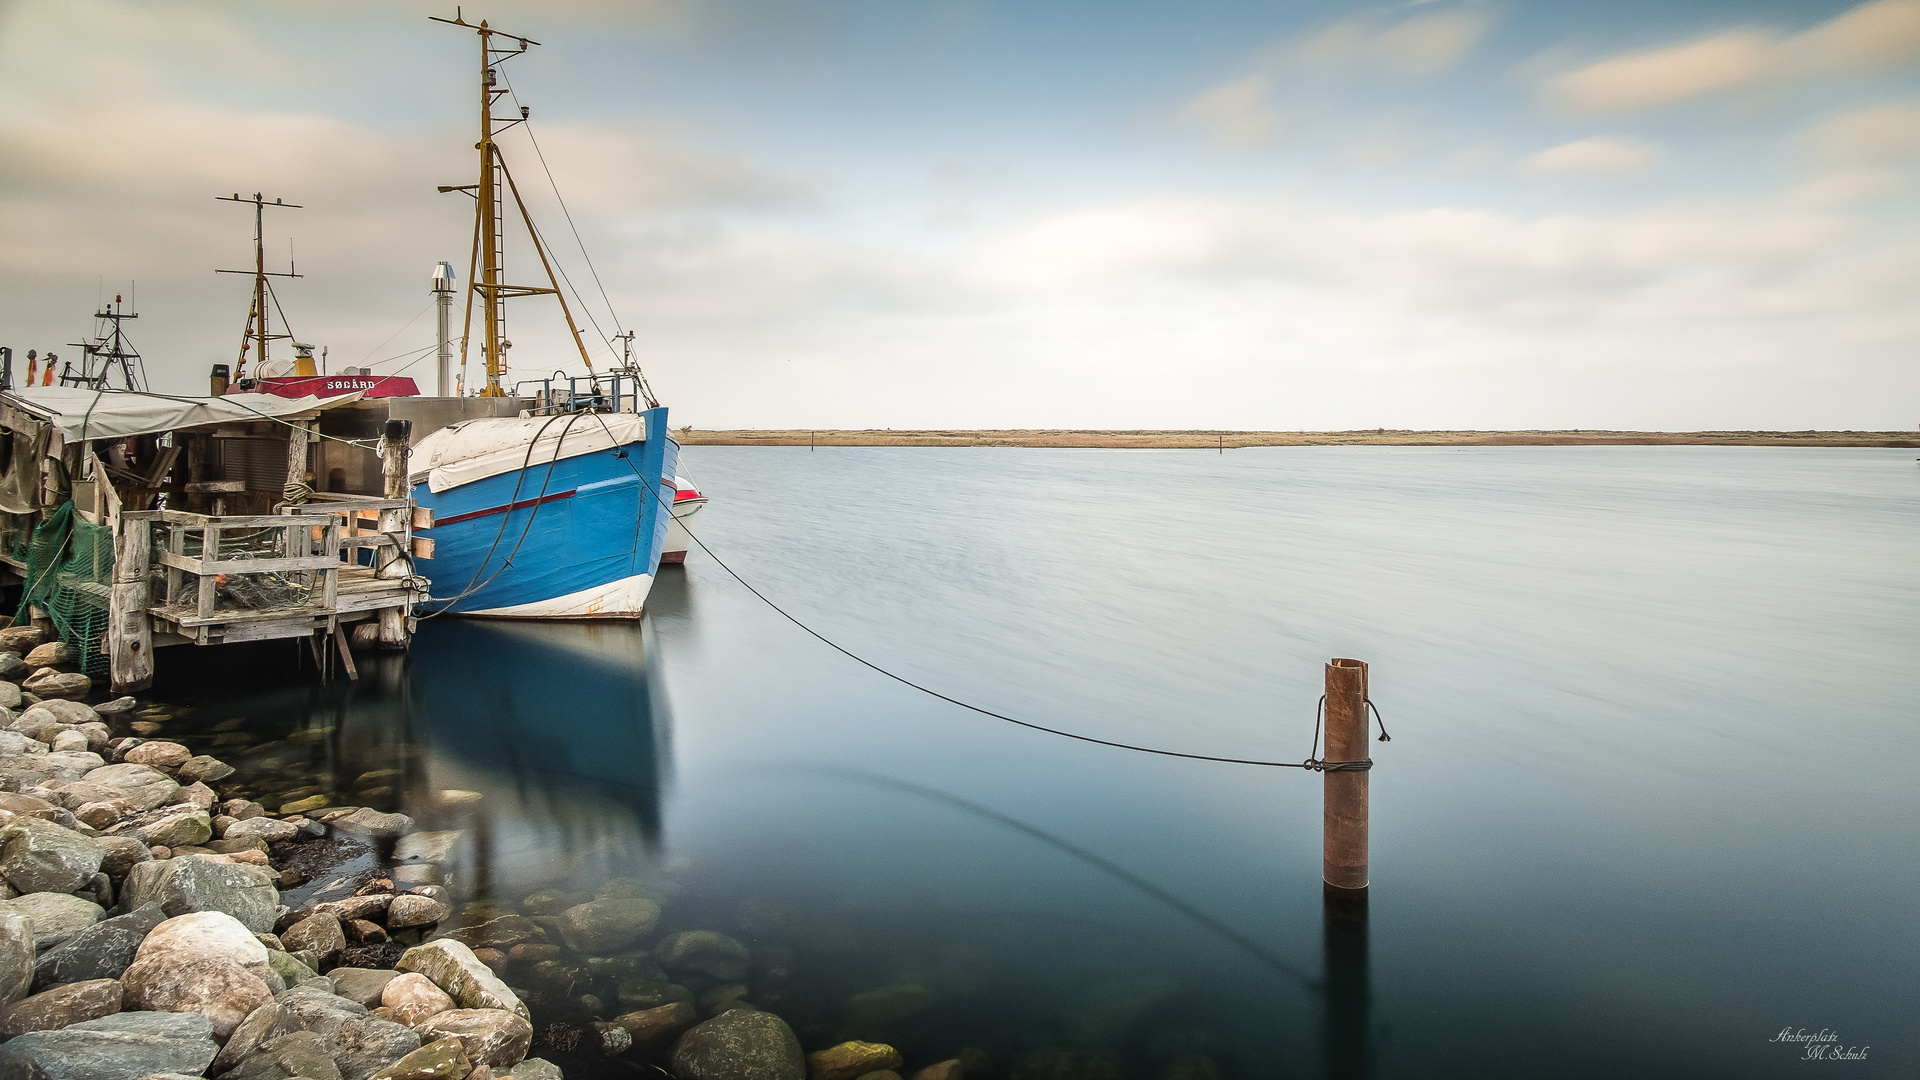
621,599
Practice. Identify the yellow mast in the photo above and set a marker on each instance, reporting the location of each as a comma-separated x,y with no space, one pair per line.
484,280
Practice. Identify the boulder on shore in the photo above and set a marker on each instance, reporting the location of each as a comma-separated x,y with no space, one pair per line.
212,986
60,1007
185,885
453,968
124,1046
101,951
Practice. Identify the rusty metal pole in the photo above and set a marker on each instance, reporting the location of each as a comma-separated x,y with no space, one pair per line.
1344,847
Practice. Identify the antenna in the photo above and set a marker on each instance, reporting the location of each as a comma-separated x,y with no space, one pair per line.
256,333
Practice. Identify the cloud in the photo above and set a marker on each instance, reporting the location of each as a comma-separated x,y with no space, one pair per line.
1848,186
1601,155
1877,36
1413,47
1235,115
1880,133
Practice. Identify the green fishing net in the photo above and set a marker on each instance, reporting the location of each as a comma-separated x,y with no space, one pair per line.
70,576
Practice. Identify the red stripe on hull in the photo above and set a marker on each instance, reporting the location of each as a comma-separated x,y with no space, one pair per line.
521,505
670,558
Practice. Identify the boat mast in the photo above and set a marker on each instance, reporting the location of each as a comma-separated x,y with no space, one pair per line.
256,334
484,280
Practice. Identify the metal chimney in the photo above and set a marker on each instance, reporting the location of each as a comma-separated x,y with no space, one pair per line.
443,300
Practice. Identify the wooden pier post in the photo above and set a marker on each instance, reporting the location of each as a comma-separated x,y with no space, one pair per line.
129,631
1344,793
396,526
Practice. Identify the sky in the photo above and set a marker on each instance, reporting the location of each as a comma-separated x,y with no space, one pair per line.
1217,214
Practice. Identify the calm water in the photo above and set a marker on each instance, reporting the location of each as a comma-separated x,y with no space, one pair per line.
1651,796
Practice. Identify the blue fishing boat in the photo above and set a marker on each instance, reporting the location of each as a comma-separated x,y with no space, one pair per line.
546,517
561,512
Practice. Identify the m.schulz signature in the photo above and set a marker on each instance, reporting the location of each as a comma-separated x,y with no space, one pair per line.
1822,1045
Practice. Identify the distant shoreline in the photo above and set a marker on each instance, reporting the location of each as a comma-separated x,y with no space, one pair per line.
1210,440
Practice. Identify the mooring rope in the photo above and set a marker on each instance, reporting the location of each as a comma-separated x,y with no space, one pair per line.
1311,764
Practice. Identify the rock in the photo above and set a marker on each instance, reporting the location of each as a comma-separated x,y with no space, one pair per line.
950,1069
503,931
16,957
882,1074
432,847
159,754
655,1029
405,911
56,916
61,1006
362,932
119,853
71,739
290,968
255,1029
489,1036
202,769
13,742
10,695
851,1060
124,1046
364,985
457,797
552,902
296,1054
272,830
365,822
39,856
104,815
242,809
413,998
706,952
320,933
197,795
301,806
614,1039
417,874
354,907
442,1059
453,968
51,653
101,951
117,707
365,1045
641,994
97,735
314,1007
39,770
203,933
22,639
173,827
739,1044
599,927
193,884
536,1069
213,986
27,806
144,786
49,683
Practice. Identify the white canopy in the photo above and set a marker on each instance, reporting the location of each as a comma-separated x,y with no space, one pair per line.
481,448
78,413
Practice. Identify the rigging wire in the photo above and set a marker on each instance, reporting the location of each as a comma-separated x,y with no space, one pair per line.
551,182
397,333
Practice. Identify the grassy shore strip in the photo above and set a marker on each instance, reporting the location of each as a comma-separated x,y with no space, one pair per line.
1209,440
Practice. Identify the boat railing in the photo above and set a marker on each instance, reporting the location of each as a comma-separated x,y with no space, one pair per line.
561,393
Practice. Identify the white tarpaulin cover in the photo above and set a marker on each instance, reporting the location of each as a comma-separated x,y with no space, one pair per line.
78,413
478,449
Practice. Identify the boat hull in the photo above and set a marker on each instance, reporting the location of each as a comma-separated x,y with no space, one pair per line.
678,537
572,538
